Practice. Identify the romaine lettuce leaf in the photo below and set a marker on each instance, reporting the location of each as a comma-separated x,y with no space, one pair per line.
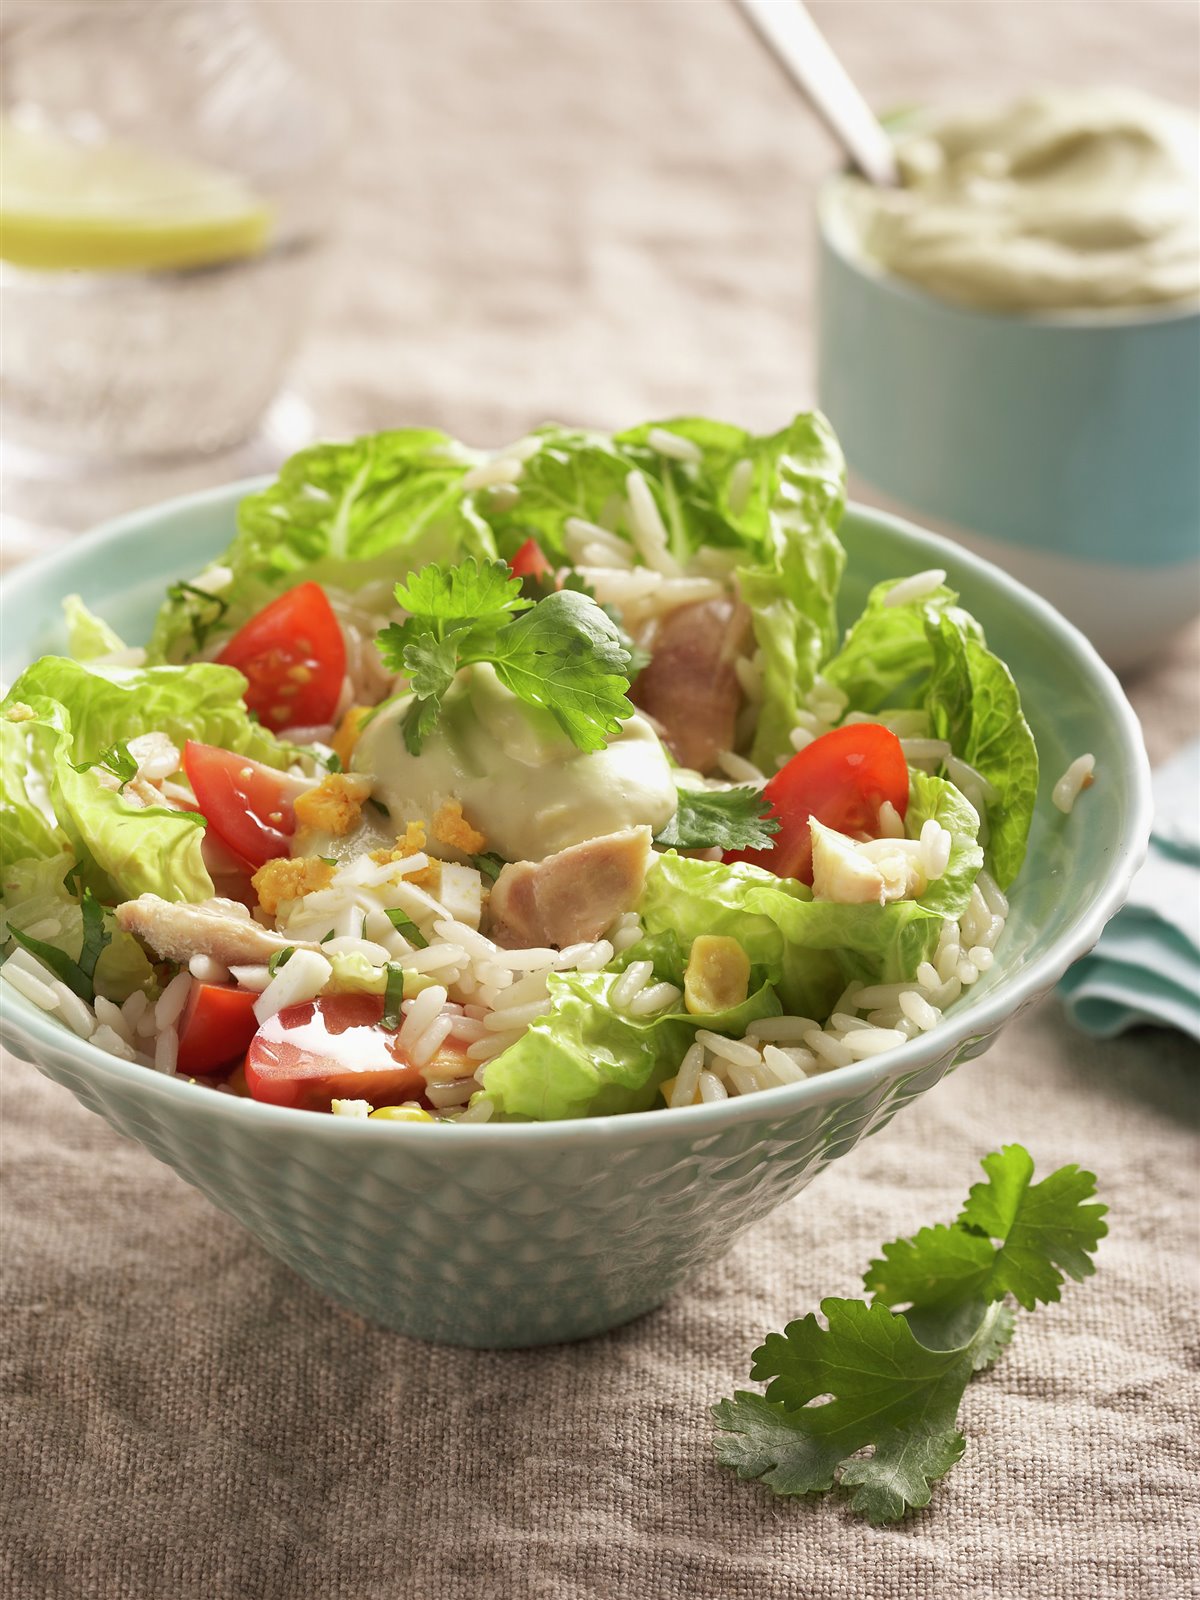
344,515
88,635
939,799
79,711
931,654
36,899
586,1059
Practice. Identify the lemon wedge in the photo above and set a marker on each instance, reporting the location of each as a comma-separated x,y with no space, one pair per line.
115,207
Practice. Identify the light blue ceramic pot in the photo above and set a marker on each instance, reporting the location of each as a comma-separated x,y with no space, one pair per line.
1065,448
523,1235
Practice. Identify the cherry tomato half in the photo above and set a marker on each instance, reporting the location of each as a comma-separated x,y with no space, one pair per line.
530,561
218,1024
294,658
247,805
331,1048
842,779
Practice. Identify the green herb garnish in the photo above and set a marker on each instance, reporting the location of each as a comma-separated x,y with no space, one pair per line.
563,653
489,865
721,819
403,923
202,610
896,1378
116,761
393,994
79,976
280,959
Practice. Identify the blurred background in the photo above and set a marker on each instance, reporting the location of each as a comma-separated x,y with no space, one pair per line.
485,215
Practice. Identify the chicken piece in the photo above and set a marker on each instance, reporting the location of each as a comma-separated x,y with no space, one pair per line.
219,928
571,896
691,686
851,873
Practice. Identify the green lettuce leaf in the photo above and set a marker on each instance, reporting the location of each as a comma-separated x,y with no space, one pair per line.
937,798
78,712
36,898
930,654
345,515
88,636
585,1059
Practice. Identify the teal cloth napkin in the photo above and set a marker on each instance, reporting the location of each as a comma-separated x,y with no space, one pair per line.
1146,966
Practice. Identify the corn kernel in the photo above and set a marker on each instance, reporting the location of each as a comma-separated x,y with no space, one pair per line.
717,976
409,1112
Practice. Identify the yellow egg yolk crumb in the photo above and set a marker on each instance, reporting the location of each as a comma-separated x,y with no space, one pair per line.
410,843
287,879
335,805
449,826
348,731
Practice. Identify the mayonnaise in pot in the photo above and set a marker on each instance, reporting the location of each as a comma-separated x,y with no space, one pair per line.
1065,200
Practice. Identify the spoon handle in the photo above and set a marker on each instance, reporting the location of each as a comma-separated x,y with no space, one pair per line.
792,36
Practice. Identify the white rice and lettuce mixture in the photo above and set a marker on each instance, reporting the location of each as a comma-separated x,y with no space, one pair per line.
549,788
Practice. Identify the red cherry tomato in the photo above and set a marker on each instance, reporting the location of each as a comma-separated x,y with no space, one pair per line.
332,1048
530,561
842,779
294,658
246,804
218,1024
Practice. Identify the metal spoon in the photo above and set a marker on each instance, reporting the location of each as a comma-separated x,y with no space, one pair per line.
794,39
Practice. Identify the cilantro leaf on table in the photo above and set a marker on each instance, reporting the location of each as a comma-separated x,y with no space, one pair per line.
1042,1227
562,653
722,819
891,1381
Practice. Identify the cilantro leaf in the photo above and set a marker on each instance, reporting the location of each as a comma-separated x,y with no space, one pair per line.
890,1381
1044,1230
566,655
474,592
888,1392
116,760
563,654
724,819
79,975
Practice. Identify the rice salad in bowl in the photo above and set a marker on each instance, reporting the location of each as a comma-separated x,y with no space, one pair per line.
523,786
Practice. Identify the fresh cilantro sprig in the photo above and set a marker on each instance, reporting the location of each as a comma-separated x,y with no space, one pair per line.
116,760
891,1380
722,819
79,975
562,653
538,586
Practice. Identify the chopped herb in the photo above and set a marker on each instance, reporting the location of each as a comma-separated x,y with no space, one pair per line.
116,760
489,865
379,806
404,924
330,861
333,762
280,959
393,994
563,653
325,937
890,1381
722,819
79,976
203,610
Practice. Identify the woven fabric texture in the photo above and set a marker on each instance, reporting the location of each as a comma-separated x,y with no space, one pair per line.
600,212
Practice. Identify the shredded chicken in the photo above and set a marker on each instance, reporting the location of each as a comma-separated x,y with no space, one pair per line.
222,929
690,686
571,896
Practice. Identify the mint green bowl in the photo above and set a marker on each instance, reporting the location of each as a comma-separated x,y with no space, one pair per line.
533,1233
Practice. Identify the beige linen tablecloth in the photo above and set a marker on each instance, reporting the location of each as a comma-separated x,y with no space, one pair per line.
600,212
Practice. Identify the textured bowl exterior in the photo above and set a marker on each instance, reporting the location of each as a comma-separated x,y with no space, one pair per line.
535,1233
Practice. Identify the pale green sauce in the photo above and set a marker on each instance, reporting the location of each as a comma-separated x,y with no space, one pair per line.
519,779
1065,200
